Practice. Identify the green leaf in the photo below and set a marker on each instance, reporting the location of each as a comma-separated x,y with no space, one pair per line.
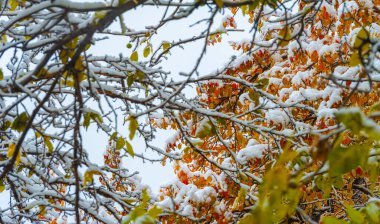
134,56
129,149
278,186
6,125
355,216
262,83
145,196
355,121
113,136
154,212
120,142
342,160
122,24
133,125
206,129
130,80
96,117
1,74
332,220
337,182
19,124
253,6
375,107
373,173
373,212
100,14
146,51
91,116
272,3
140,75
248,218
86,120
286,35
254,96
324,184
139,212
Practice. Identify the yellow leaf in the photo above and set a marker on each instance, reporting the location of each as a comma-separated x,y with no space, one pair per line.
81,76
165,45
48,144
2,186
20,122
154,212
4,38
146,51
355,59
11,150
100,14
360,38
239,200
68,82
133,124
243,9
88,178
79,65
286,35
13,4
219,3
120,143
134,56
88,46
63,56
1,74
254,96
86,120
42,209
129,149
72,45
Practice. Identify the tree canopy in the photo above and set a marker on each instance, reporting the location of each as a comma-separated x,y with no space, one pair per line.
286,132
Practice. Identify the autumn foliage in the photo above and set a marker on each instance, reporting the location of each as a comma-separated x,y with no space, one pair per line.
276,155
